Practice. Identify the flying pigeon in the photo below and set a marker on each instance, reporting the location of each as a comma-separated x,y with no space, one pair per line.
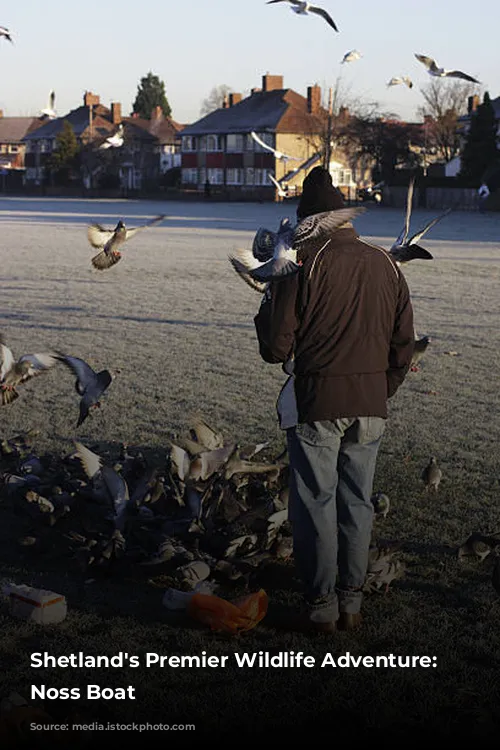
14,373
403,79
432,475
404,249
289,239
351,56
303,8
89,385
418,352
5,33
434,70
278,154
108,240
114,141
50,110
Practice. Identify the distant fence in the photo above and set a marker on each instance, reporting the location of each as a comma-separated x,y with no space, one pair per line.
439,198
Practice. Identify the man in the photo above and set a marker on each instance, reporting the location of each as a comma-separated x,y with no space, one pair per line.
345,321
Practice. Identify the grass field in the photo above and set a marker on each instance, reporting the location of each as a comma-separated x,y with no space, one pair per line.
175,321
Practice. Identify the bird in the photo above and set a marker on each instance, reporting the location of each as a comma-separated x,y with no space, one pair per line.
434,70
478,546
398,80
114,141
403,250
382,571
50,110
5,33
108,240
381,504
483,191
418,352
288,240
351,56
282,193
432,475
106,480
278,154
89,385
13,373
303,8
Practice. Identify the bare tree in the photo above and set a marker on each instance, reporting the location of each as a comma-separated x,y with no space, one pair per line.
444,102
215,99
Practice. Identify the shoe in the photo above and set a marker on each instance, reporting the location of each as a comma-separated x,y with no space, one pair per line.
302,623
348,621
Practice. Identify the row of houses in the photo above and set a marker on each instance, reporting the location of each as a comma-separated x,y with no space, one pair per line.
218,150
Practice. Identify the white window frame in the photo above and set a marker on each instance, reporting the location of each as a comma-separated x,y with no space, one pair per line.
215,176
239,143
235,176
189,143
249,176
215,143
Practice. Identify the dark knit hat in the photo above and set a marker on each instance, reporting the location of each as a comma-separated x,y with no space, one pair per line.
318,194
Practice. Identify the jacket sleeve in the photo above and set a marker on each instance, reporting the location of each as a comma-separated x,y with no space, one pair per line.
402,341
277,321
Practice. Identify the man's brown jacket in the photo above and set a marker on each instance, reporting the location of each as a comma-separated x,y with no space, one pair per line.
348,321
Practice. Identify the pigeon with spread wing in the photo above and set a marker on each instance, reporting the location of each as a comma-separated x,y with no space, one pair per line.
303,8
89,385
434,70
13,373
109,240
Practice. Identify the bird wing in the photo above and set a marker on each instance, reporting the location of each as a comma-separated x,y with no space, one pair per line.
417,237
244,261
207,436
408,81
459,74
81,369
429,63
401,240
38,363
104,260
261,142
156,220
323,224
259,286
293,2
323,14
91,462
52,99
98,236
7,360
394,81
277,185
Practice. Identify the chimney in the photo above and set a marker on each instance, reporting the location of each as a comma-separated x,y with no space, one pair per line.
157,113
234,99
90,99
271,83
472,103
255,91
313,99
225,103
116,113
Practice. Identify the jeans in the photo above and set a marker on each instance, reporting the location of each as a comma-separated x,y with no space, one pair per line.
332,467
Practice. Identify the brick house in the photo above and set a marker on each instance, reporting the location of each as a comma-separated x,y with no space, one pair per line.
12,132
219,147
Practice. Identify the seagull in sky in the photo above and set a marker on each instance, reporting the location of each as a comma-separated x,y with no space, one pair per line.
278,154
108,240
404,249
434,70
351,56
398,80
50,110
303,8
5,33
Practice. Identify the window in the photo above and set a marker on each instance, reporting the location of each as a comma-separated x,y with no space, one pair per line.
235,143
260,176
249,176
202,143
215,143
13,149
202,176
216,176
189,143
234,177
190,176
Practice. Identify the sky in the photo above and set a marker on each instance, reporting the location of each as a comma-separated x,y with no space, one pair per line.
194,45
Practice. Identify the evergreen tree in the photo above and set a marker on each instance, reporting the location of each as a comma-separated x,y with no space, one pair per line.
480,150
151,94
64,158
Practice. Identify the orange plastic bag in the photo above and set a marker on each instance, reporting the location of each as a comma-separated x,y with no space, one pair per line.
229,617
